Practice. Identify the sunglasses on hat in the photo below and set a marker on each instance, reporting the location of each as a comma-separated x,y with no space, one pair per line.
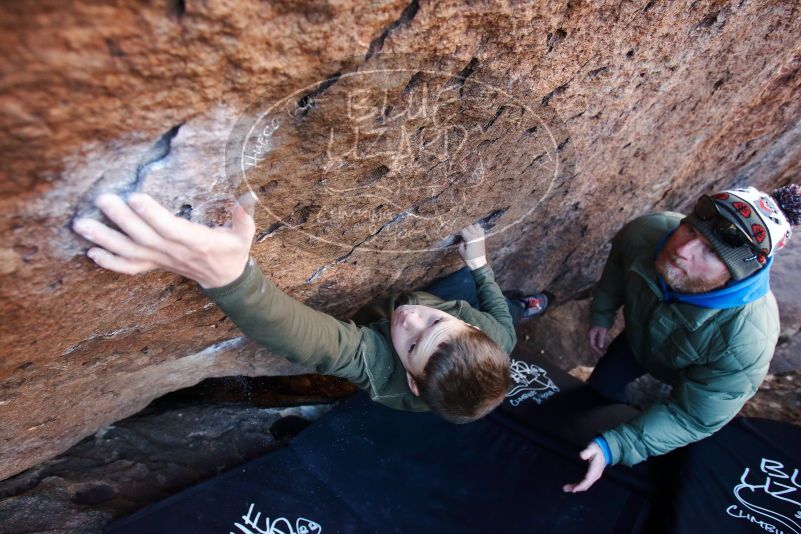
726,231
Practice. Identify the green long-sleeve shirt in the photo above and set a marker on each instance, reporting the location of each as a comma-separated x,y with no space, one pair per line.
361,353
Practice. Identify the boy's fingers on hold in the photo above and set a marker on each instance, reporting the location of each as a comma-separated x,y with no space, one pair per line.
165,223
128,221
119,264
111,240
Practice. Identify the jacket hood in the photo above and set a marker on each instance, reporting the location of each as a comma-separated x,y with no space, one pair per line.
732,295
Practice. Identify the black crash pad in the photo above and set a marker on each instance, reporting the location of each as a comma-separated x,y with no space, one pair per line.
745,478
366,468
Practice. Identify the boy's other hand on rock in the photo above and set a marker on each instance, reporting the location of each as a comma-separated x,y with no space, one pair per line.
472,247
153,238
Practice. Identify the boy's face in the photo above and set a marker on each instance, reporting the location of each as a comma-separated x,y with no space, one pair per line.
416,332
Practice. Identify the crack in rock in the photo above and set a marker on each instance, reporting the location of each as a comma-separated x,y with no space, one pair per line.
307,102
176,8
533,161
377,44
462,75
556,92
396,219
489,124
160,150
106,335
487,223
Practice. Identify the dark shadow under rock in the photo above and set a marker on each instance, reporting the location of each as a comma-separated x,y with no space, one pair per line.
165,448
265,391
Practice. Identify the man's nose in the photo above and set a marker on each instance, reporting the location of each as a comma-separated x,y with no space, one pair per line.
688,248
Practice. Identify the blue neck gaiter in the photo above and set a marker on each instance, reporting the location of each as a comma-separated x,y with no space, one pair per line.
733,294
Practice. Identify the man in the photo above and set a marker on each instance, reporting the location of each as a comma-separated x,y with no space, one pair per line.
418,352
698,313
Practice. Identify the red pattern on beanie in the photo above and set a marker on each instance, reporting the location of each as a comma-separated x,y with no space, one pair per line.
743,208
721,196
759,232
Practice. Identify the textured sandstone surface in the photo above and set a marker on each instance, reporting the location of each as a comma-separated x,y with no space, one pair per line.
371,133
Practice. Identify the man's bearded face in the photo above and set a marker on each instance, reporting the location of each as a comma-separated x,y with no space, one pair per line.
689,264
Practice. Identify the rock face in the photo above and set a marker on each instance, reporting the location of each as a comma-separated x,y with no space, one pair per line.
370,135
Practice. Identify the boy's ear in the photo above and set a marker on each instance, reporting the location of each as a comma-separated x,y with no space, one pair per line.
412,384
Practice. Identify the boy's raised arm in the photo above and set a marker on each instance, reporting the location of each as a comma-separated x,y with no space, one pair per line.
290,328
219,260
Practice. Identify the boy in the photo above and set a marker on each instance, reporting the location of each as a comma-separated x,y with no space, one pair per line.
418,352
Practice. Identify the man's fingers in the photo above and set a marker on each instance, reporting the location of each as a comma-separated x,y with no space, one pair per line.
586,454
129,222
111,240
592,476
585,484
118,264
165,223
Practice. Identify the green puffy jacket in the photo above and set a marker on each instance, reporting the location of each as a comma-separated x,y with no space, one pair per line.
364,355
715,359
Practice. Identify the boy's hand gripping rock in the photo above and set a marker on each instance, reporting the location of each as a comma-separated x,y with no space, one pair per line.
154,238
472,247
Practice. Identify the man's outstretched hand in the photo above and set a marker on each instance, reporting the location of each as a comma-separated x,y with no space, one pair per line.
154,238
595,456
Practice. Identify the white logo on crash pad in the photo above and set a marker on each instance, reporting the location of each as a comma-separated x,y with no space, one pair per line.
531,382
769,498
279,525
